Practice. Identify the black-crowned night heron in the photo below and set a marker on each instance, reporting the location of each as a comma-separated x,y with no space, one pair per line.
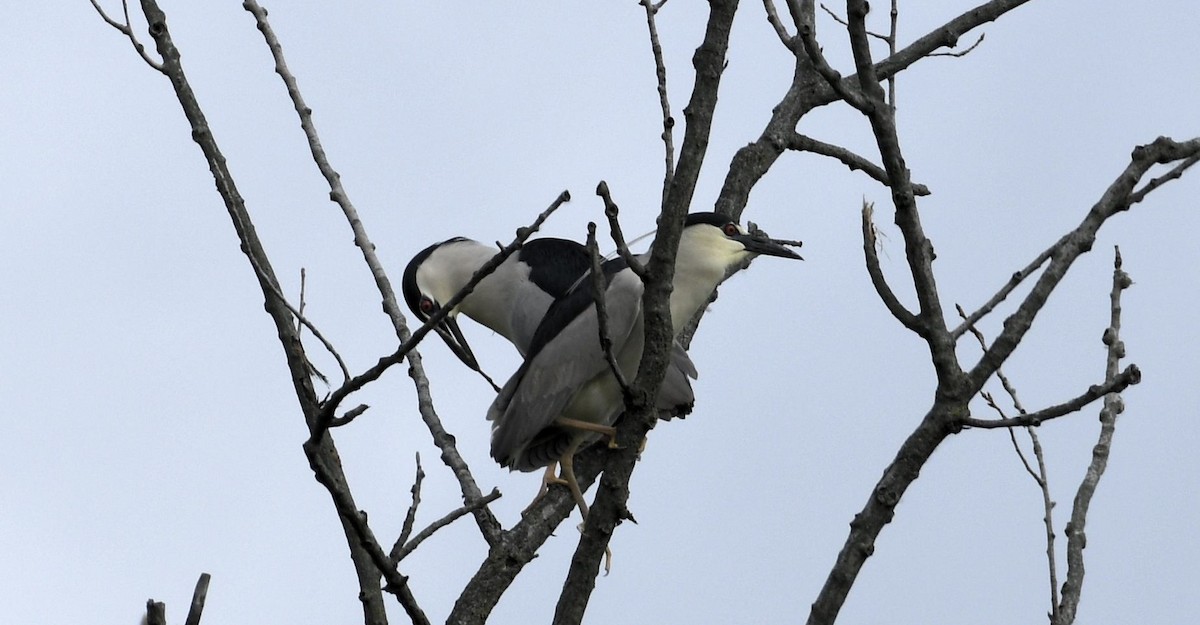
514,298
564,395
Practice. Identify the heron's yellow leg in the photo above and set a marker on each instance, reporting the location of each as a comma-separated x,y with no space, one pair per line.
588,426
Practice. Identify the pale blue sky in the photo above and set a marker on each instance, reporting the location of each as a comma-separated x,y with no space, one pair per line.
150,428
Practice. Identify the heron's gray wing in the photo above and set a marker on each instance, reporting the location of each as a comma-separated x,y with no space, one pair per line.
675,398
546,383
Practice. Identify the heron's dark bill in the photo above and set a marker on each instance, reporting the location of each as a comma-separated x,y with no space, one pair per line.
448,330
766,247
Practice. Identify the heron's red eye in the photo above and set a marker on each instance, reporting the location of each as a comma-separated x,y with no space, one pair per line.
427,306
731,229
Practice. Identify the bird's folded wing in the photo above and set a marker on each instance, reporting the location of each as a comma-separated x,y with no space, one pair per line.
546,383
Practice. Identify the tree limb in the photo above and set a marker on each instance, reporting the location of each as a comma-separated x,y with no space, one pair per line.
902,314
609,506
198,598
851,160
660,71
1113,406
298,364
1130,376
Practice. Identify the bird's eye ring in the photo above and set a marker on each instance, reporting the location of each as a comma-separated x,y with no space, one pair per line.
427,306
731,229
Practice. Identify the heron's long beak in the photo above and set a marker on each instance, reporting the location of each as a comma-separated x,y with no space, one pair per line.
766,247
448,330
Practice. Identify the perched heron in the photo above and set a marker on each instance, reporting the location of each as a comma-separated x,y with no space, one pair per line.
513,300
564,395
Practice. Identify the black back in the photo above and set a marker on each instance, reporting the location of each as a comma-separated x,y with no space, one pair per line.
555,264
569,306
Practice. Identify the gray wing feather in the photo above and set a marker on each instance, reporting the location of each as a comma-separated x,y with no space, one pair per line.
675,398
544,386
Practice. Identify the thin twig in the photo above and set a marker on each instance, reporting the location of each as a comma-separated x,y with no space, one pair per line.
891,41
395,583
961,53
1130,376
660,70
804,143
1113,406
401,551
1176,172
127,30
599,286
612,212
410,518
300,319
773,18
1013,282
837,18
1040,476
902,314
1043,480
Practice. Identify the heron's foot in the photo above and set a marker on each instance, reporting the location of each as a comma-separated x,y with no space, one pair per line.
548,479
608,557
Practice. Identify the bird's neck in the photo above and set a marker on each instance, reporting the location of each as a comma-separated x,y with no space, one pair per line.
696,277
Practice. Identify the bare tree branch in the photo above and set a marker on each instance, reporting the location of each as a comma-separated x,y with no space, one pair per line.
325,454
945,36
450,455
410,518
599,286
198,598
1174,174
902,314
851,160
1043,482
302,321
1117,198
399,551
156,613
519,545
1040,476
1014,281
837,18
1113,406
127,30
1130,376
960,53
612,212
609,506
780,30
661,73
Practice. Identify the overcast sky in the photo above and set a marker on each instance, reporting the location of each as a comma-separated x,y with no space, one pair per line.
150,429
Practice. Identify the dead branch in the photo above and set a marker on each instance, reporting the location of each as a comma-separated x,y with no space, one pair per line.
1130,376
902,314
1113,406
660,71
127,30
854,162
599,285
612,212
199,596
609,506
